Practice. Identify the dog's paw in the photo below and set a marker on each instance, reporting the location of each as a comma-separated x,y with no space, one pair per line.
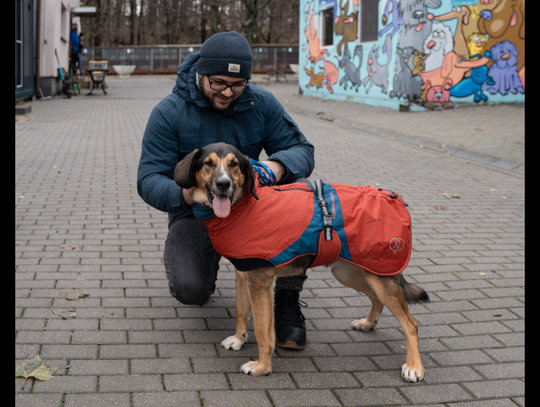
363,324
411,374
232,343
255,369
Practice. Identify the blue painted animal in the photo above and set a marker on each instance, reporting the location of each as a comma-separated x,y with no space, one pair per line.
391,10
473,84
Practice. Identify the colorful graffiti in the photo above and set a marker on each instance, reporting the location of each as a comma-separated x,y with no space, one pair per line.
432,53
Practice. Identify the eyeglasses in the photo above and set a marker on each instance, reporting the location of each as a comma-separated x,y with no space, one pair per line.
221,87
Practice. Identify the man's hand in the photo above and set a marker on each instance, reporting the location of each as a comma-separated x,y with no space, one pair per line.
188,195
278,168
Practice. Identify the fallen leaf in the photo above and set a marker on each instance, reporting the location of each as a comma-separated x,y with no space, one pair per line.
450,195
492,189
22,196
497,315
17,243
69,246
74,295
440,207
34,368
65,313
403,346
320,112
442,145
479,129
421,146
482,274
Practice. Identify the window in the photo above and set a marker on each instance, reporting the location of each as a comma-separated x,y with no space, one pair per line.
326,30
19,44
368,21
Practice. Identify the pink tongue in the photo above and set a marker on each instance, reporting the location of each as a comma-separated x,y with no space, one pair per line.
222,206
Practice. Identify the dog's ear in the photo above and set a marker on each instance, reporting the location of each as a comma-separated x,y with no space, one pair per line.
249,176
183,174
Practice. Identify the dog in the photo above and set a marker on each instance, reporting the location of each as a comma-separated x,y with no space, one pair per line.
377,73
407,84
352,72
504,70
438,43
228,197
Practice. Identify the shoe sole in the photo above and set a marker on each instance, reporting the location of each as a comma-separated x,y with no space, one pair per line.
291,345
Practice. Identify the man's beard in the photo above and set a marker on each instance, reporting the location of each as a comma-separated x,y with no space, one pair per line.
210,98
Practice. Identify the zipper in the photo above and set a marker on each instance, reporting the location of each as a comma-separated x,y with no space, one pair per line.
292,189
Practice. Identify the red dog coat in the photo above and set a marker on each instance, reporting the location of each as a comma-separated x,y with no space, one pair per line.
371,228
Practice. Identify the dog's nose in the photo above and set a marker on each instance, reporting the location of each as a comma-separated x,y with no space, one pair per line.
223,184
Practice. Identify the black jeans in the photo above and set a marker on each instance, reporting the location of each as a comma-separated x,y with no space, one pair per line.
192,263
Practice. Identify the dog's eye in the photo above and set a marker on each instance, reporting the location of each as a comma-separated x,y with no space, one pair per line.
209,164
233,164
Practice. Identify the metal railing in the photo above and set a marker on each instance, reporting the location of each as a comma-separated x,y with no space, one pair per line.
167,58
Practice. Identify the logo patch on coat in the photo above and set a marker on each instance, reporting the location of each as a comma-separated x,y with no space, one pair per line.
397,244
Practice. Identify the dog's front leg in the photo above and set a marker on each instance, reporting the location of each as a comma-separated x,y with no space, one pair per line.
259,288
243,310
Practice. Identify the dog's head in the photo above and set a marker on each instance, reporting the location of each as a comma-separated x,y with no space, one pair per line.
220,174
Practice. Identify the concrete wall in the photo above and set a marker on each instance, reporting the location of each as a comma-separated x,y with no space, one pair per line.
425,53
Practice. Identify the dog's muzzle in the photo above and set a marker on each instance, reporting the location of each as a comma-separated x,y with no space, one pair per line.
221,196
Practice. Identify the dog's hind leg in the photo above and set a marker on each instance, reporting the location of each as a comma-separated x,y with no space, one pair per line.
243,310
259,287
351,276
390,293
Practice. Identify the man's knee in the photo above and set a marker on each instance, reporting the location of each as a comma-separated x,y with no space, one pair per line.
189,294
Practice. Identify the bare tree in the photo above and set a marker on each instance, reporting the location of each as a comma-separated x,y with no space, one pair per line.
154,22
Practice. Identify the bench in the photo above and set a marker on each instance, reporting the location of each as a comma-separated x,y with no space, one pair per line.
279,72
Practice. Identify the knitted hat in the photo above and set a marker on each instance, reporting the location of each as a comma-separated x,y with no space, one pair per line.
226,53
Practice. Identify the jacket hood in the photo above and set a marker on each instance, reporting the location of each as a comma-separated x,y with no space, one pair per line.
185,80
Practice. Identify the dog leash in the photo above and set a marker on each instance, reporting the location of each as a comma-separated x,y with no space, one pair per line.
258,166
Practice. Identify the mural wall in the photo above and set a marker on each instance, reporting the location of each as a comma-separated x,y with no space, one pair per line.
425,53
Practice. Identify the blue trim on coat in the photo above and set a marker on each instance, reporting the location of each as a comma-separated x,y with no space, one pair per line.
308,241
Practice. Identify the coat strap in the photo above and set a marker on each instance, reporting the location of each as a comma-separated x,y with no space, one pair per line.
326,214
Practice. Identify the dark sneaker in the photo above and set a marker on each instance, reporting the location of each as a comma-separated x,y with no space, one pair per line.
289,322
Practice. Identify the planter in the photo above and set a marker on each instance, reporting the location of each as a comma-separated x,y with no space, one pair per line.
295,68
124,71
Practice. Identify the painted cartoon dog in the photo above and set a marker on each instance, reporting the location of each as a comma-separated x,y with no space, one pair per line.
223,177
504,70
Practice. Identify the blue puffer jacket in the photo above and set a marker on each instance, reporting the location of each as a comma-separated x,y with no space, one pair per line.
184,121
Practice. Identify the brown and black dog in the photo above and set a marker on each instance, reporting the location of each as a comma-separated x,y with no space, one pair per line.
221,176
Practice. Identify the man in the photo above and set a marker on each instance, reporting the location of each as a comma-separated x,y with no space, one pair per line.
75,49
211,102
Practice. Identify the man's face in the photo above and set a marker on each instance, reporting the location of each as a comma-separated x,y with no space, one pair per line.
220,100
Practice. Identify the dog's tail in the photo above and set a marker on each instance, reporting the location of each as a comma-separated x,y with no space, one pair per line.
413,294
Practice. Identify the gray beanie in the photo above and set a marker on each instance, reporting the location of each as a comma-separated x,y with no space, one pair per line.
226,53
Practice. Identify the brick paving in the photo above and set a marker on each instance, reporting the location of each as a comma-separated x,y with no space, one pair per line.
81,224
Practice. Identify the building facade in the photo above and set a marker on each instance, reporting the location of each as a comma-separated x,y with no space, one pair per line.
42,31
419,53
